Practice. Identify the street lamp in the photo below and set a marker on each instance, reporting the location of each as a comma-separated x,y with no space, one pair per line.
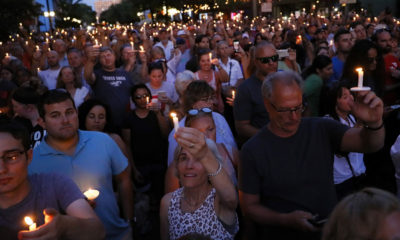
50,14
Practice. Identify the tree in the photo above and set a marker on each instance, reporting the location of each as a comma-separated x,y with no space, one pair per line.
68,12
124,12
13,12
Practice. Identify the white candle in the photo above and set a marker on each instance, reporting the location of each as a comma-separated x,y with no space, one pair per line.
141,49
133,45
96,43
31,224
210,55
233,94
91,194
147,100
360,77
175,120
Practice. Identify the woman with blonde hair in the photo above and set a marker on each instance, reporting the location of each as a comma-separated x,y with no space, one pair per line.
365,215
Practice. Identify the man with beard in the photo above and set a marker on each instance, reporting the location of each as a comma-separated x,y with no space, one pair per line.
49,76
382,38
343,46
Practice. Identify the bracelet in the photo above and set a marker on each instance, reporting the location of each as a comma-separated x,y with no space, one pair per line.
374,129
216,172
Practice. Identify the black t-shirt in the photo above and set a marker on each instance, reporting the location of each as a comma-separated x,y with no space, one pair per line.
294,173
113,88
249,104
147,144
37,135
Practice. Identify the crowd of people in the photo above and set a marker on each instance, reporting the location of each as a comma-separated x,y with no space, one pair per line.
210,129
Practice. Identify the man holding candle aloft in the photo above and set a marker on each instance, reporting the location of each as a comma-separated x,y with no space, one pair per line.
286,170
41,197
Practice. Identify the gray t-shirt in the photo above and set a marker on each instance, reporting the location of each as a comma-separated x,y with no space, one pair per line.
47,191
294,173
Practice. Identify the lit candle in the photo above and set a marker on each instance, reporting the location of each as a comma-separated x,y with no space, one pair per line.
91,194
141,49
38,69
233,94
7,55
210,55
175,120
133,45
147,99
37,48
96,43
360,77
31,224
331,42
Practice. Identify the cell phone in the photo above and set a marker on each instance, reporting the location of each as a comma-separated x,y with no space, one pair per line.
236,45
283,53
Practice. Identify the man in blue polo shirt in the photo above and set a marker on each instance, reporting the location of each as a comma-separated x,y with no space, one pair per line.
91,159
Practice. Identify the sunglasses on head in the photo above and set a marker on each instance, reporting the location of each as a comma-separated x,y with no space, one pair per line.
141,96
264,60
197,111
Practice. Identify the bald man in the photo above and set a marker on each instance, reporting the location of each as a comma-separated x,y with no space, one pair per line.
49,76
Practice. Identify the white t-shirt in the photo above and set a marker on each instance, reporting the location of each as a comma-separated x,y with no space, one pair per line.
341,168
167,49
49,77
80,94
165,87
232,67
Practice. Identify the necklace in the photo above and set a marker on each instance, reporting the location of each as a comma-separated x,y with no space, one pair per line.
190,206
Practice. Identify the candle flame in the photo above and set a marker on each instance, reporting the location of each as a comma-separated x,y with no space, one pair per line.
173,115
359,69
141,49
28,221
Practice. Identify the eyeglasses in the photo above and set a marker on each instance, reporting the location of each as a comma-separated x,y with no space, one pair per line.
265,60
141,96
194,112
298,109
12,157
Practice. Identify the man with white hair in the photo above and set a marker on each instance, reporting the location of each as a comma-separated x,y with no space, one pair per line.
286,169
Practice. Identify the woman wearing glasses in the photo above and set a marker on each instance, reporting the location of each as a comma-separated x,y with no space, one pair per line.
206,203
145,131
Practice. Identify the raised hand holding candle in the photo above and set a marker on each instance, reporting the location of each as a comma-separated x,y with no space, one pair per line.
91,194
175,120
31,224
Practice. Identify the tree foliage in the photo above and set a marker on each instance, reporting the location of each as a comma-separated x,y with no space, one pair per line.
124,12
67,11
13,12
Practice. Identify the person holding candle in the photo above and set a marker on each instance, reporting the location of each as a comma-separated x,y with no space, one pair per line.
206,203
53,202
49,76
199,94
299,152
364,54
213,78
145,131
136,69
90,158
